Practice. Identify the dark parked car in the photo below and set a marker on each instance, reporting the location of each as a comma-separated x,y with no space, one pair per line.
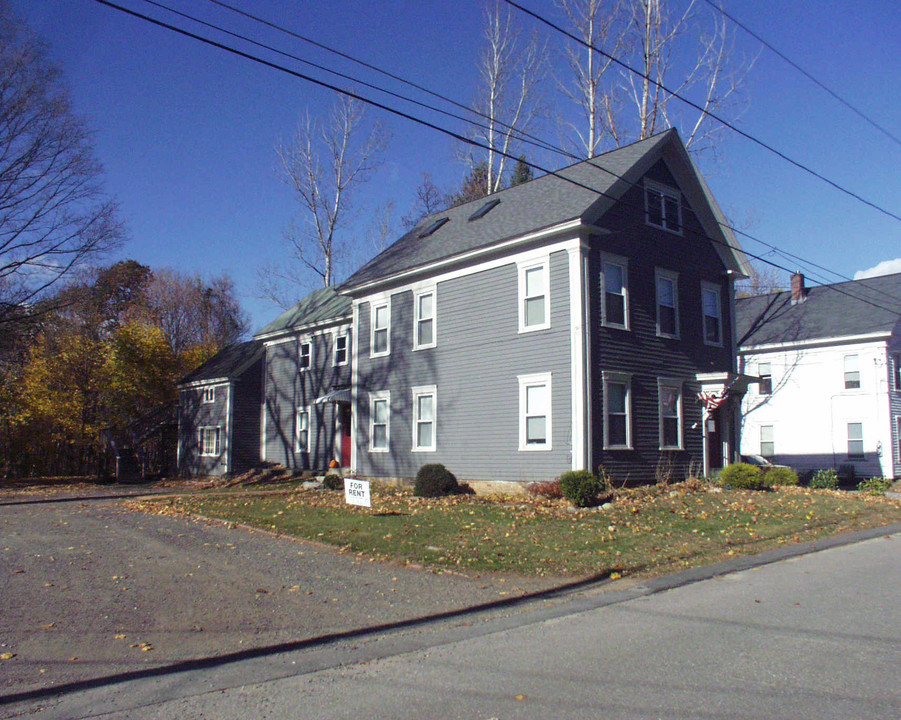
759,461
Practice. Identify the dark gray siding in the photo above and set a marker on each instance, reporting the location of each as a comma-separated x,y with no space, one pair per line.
474,367
287,389
640,351
245,419
194,414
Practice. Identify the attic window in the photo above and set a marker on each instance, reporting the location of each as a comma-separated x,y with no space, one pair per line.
433,227
663,207
484,210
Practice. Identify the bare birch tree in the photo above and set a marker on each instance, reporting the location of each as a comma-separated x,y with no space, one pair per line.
324,164
510,70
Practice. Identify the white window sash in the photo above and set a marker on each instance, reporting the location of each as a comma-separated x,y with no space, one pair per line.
338,338
537,381
624,379
673,280
375,329
526,270
420,320
662,417
419,422
623,266
379,399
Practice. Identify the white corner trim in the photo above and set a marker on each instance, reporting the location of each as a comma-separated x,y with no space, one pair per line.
577,359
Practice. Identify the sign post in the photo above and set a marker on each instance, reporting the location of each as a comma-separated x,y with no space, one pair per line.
356,492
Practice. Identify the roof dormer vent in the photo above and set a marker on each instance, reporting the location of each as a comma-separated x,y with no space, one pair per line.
433,227
484,210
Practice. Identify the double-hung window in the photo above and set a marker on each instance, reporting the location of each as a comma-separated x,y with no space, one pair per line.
896,372
424,320
667,303
534,296
615,293
209,441
765,384
767,442
305,356
425,407
669,393
302,431
535,424
617,410
663,207
381,329
379,421
852,372
713,315
341,349
209,395
855,440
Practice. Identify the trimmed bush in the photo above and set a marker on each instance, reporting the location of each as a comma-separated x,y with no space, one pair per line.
780,476
333,481
742,476
581,487
826,479
435,480
875,486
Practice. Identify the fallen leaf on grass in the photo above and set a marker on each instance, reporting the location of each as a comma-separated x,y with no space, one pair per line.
120,636
47,626
7,656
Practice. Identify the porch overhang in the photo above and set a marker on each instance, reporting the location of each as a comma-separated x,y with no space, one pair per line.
341,395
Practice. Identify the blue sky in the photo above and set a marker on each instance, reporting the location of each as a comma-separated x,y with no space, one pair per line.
186,133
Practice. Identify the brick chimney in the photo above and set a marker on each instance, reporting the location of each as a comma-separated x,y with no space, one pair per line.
799,292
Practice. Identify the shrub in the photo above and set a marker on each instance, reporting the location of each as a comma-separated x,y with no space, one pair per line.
549,489
780,476
333,481
581,487
435,480
875,486
826,479
742,476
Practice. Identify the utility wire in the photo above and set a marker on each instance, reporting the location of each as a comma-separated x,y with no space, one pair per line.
716,6
425,123
694,105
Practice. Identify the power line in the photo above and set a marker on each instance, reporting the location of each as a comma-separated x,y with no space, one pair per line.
426,123
804,72
694,105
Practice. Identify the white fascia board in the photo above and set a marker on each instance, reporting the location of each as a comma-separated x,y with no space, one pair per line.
204,383
816,342
436,266
287,334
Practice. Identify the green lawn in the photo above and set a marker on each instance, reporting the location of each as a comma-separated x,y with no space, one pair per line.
644,531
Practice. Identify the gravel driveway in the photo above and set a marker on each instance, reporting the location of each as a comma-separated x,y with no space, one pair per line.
90,589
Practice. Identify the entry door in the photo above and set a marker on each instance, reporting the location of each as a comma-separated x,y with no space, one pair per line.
344,419
715,440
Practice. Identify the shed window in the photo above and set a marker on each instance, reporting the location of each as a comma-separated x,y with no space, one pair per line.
855,440
209,441
209,395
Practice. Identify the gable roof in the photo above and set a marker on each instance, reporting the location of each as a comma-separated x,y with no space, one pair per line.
853,308
580,193
320,306
229,363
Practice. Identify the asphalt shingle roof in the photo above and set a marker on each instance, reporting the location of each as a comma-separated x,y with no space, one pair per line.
229,362
317,307
855,307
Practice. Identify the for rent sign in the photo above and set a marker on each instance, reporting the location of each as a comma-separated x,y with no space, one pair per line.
356,492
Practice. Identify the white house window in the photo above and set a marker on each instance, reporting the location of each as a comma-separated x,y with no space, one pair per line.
381,325
767,444
424,320
670,408
305,356
379,421
341,349
209,395
534,302
855,440
535,411
852,372
615,293
896,372
303,430
617,410
209,441
765,373
667,304
898,438
713,319
663,207
425,402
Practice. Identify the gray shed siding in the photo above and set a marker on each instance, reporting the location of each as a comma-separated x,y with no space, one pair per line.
474,367
195,414
287,388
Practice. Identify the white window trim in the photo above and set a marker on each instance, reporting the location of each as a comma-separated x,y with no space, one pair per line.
200,431
863,450
674,278
661,189
417,318
624,264
898,438
760,374
624,379
418,392
341,334
676,384
209,395
525,382
771,441
373,397
544,264
300,347
855,363
305,410
711,287
372,314
896,372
